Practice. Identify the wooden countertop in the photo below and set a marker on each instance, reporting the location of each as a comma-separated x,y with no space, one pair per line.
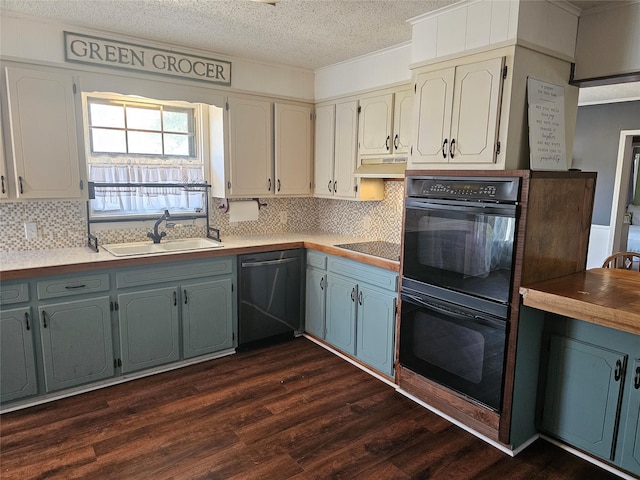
605,296
17,265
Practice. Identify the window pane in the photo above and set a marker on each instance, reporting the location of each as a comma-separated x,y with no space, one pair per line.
143,118
176,121
103,115
108,141
177,145
143,142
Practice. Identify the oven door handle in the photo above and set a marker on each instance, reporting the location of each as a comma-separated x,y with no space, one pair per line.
492,322
462,206
432,306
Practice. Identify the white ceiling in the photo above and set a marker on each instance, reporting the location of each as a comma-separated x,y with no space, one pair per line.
302,33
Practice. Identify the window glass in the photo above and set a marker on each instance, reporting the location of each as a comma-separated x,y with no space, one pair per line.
123,126
133,141
105,115
108,141
144,119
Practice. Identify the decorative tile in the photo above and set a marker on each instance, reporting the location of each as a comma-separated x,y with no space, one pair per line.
62,224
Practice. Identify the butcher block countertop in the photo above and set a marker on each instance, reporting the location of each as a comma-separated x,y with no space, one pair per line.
25,264
605,296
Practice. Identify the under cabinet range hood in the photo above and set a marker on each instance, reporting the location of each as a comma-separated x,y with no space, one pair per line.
387,167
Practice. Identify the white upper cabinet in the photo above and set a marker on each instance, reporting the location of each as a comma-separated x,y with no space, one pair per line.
293,149
268,150
402,121
346,148
250,148
457,114
376,123
336,147
41,134
385,124
324,150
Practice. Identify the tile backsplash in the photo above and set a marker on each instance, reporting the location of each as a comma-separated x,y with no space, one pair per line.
63,223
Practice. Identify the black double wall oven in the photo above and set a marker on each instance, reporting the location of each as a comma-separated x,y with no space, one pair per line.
458,260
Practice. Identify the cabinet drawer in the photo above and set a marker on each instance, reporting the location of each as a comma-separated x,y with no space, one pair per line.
63,287
316,260
14,293
173,273
361,272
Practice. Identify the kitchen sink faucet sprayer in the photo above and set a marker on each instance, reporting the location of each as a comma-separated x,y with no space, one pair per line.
155,236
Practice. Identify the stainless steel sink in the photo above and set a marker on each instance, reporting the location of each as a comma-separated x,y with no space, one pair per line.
147,248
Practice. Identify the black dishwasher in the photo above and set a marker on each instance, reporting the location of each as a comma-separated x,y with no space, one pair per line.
270,302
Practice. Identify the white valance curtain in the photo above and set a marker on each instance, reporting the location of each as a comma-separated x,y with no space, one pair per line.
127,200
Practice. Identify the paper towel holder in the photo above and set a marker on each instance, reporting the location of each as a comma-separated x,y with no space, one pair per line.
224,204
260,204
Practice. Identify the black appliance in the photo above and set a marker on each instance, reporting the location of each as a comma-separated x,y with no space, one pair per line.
269,300
458,256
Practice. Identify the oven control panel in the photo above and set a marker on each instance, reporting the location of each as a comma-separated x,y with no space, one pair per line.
465,188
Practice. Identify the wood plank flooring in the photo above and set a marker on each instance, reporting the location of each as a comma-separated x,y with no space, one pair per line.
288,411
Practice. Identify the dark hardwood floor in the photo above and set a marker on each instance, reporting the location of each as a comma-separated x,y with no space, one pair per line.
289,411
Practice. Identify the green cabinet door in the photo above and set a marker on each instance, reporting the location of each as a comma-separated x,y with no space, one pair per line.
315,302
341,313
376,329
206,317
630,428
77,343
149,334
583,388
17,360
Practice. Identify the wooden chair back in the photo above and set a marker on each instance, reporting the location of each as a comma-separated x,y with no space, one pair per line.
626,260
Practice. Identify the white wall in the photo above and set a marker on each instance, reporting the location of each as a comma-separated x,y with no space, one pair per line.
32,39
376,70
598,245
609,41
475,24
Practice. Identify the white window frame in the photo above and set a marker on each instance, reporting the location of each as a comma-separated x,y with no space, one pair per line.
201,146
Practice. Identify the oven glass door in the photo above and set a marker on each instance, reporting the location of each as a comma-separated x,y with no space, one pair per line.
465,247
455,347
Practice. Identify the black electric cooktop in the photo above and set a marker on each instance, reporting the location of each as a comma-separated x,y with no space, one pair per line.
378,248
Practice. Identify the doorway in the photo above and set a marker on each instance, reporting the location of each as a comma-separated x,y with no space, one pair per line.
625,163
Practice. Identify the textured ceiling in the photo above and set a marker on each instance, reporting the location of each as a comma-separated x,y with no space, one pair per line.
302,33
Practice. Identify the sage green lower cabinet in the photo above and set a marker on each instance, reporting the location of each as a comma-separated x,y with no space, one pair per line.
315,302
207,317
76,341
589,388
582,394
376,328
149,328
341,313
630,444
352,306
17,358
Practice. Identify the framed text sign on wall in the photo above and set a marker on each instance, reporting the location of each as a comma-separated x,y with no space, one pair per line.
116,54
547,145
